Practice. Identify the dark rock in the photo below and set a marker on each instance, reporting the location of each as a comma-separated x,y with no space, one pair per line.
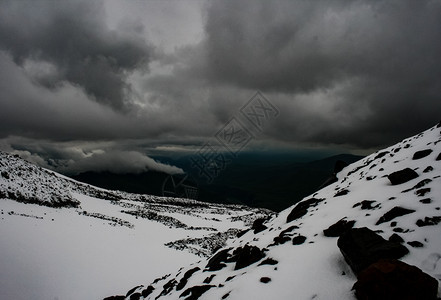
422,153
301,209
402,176
195,292
395,212
338,228
209,279
216,262
398,229
422,192
366,204
168,287
245,256
185,278
132,290
438,157
230,278
395,238
265,279
119,297
147,291
429,221
426,200
428,169
226,295
362,247
418,185
269,261
258,225
135,296
341,193
242,233
340,165
393,279
393,224
416,244
298,240
280,239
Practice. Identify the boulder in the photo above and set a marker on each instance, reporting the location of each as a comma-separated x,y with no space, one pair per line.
421,154
362,247
185,278
298,240
216,262
195,292
301,209
438,157
395,212
258,225
338,228
245,256
393,279
402,176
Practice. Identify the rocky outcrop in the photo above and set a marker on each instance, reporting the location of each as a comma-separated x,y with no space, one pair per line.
402,176
393,279
362,247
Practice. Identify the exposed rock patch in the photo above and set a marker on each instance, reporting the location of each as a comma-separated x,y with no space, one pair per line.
402,176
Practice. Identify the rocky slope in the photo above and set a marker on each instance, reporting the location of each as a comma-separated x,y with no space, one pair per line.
379,219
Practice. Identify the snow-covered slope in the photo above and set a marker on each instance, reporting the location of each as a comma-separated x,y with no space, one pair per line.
61,239
292,258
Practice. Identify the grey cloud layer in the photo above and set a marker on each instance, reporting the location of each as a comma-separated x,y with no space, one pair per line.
359,73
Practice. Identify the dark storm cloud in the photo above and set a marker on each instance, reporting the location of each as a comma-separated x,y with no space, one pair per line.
73,39
357,72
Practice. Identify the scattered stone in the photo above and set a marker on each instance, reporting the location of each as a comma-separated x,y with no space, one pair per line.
118,297
393,279
418,185
393,224
230,278
426,200
395,238
395,212
422,153
301,209
416,244
147,291
422,192
132,290
135,296
298,240
336,229
429,221
226,295
258,225
195,292
265,279
361,247
269,261
341,193
438,157
428,169
398,229
242,233
216,262
168,287
209,279
185,278
245,256
402,176
366,204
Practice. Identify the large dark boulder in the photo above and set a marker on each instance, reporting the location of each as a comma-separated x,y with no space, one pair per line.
402,176
362,247
216,262
338,228
393,279
301,209
421,154
258,225
245,256
185,278
195,292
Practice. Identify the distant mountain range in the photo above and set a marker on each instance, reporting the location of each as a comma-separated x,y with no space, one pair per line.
259,180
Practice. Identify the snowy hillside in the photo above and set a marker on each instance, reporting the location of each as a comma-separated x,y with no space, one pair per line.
395,193
61,239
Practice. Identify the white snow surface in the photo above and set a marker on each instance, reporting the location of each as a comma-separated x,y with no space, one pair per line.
61,239
69,253
316,269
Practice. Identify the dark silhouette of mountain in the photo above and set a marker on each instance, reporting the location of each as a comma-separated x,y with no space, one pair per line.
273,182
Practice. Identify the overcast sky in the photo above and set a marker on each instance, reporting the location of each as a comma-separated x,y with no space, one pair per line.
99,84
